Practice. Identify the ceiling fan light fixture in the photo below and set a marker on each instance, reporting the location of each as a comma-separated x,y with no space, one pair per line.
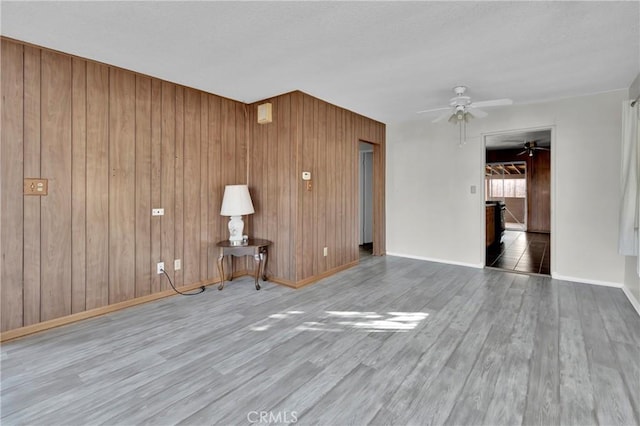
458,113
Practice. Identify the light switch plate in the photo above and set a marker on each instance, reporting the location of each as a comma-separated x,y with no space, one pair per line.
36,186
306,175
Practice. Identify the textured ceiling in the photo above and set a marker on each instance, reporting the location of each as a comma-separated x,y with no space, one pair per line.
517,139
385,60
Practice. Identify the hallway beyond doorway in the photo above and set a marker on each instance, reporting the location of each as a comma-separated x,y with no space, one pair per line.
522,252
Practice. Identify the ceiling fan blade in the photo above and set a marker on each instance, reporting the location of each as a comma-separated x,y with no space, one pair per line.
442,117
540,148
523,152
479,113
432,110
491,103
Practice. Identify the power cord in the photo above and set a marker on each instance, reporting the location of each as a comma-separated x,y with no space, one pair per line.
178,291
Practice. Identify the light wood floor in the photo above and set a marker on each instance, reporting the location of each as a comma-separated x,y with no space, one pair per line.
391,341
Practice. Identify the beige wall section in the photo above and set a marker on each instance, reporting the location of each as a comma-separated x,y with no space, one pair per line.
634,89
586,132
113,144
308,134
631,278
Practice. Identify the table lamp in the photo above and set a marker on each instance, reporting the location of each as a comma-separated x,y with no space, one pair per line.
236,202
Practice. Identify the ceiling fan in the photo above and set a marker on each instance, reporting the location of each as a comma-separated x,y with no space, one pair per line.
460,107
531,147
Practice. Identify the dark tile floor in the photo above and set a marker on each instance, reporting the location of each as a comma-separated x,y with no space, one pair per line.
522,252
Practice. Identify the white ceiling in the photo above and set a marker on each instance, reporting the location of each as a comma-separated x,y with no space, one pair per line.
385,60
517,139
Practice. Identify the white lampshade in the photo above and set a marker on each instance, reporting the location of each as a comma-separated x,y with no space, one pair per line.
236,201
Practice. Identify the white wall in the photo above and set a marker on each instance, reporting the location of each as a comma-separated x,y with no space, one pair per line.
632,281
631,278
432,214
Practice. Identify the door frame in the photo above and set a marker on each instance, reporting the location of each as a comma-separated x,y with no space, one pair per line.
379,224
362,195
552,207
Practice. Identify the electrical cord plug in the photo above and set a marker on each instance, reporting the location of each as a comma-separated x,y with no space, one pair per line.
178,291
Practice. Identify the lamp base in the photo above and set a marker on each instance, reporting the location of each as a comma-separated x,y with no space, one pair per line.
236,226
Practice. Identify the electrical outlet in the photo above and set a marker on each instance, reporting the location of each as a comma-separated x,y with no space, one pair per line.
326,251
177,264
157,212
159,267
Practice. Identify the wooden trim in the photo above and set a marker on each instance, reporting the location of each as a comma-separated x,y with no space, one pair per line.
313,279
379,244
70,319
103,310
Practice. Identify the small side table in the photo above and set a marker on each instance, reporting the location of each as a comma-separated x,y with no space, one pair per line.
254,247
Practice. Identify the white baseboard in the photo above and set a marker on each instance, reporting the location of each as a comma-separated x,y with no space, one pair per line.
632,299
430,259
557,276
554,275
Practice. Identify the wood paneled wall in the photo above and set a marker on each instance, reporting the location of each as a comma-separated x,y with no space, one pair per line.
114,144
538,185
273,166
539,196
308,134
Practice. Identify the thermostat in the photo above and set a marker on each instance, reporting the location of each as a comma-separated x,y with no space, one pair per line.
264,113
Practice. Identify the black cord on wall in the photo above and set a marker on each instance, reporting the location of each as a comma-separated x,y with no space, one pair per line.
178,291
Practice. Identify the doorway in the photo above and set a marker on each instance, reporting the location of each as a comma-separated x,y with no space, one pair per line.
517,182
365,200
506,185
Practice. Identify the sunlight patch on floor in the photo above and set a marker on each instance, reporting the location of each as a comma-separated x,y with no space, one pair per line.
335,321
